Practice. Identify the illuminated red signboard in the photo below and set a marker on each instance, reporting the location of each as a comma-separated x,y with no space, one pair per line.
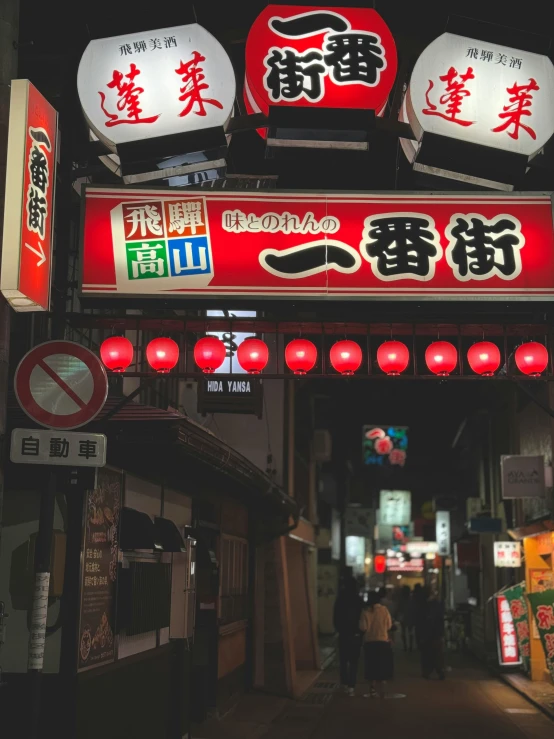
323,245
319,57
29,204
508,652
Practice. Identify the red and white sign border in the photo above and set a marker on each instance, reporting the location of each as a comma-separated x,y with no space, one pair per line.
24,396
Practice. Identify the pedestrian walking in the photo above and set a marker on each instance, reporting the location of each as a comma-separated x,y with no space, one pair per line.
348,607
375,624
406,616
432,637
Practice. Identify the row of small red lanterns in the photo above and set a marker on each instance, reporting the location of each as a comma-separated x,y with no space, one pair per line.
393,357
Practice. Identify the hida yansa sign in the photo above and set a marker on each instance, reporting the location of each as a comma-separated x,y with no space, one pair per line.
318,245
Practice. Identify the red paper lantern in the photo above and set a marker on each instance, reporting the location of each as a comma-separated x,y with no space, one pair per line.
484,358
162,354
209,354
346,357
253,355
380,564
116,353
300,356
441,357
532,358
393,357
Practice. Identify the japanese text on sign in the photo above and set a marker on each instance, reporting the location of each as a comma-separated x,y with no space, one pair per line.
33,446
370,245
508,652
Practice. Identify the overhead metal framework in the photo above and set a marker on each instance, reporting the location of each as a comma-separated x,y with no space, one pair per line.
417,336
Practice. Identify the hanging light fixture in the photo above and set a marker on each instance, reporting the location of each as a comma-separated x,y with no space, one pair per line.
393,357
380,564
209,354
253,355
484,358
346,357
300,356
532,358
162,354
116,353
441,357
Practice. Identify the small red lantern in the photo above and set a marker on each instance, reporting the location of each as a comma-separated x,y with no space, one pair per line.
346,357
116,353
441,357
393,357
300,356
380,564
484,358
253,355
209,354
162,354
532,358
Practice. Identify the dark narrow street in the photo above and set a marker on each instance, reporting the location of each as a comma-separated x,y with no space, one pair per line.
470,703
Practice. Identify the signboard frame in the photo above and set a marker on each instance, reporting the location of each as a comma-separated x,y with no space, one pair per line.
81,662
22,281
523,459
499,599
99,292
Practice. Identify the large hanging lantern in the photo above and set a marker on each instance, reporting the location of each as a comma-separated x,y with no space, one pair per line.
162,354
441,357
346,357
253,355
484,358
116,353
532,358
393,357
300,356
209,354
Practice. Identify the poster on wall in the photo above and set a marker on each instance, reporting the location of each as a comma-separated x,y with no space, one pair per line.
520,616
99,571
180,244
542,605
539,581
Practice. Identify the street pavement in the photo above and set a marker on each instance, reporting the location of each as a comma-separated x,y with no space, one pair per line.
469,704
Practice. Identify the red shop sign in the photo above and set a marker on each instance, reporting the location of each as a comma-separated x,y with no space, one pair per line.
29,205
319,57
323,245
508,652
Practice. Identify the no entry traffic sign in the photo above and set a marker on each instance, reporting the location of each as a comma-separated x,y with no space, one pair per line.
61,385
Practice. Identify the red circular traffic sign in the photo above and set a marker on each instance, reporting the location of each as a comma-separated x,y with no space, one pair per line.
61,385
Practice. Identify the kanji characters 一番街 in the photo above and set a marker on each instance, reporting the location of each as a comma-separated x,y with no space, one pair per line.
292,75
354,57
195,83
480,248
401,246
37,164
451,99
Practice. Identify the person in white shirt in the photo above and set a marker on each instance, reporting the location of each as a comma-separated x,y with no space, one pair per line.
375,624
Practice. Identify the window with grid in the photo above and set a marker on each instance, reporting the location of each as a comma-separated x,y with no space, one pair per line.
233,587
